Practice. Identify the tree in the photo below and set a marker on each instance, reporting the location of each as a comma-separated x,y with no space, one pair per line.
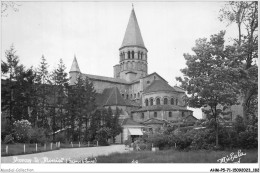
59,82
207,78
245,15
81,105
16,85
43,89
116,127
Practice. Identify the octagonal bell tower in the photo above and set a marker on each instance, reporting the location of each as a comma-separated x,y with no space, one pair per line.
132,53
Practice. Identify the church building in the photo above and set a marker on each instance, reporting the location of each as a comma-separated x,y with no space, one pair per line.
146,100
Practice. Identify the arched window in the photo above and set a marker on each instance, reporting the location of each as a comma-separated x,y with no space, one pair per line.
151,101
127,96
141,55
158,101
133,55
138,55
138,95
172,101
146,102
135,95
155,114
128,54
123,95
131,96
165,101
170,114
176,102
142,116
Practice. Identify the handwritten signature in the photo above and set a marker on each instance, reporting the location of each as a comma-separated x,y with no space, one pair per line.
232,157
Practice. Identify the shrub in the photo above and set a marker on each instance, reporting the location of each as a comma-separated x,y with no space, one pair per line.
37,135
159,140
60,137
102,135
21,131
203,139
249,138
8,139
128,142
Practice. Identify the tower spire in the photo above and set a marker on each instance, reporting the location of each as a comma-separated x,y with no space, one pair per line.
75,65
133,35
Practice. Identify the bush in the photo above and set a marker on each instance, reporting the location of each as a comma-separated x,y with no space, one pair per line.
102,135
128,142
8,139
249,138
203,139
21,131
37,135
60,137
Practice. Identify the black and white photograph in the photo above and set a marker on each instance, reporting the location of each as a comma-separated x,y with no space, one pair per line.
129,86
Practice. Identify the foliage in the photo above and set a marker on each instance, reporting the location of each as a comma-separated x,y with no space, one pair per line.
59,80
42,81
60,137
16,87
8,139
128,142
116,127
102,136
37,135
207,78
22,131
245,48
80,108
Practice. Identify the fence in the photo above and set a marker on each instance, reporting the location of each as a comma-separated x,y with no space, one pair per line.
17,149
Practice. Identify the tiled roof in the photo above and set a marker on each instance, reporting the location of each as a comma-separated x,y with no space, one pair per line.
158,85
130,122
133,35
154,121
111,97
162,107
103,78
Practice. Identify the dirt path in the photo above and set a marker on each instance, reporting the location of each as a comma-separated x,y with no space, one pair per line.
57,155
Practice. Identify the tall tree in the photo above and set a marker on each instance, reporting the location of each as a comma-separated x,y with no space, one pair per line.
81,104
11,71
43,90
59,80
207,78
245,15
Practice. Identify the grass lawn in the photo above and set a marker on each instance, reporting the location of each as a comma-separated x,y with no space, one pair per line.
171,156
18,149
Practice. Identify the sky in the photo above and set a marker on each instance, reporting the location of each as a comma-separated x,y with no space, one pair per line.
94,31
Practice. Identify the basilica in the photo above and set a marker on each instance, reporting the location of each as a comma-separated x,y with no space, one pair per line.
145,100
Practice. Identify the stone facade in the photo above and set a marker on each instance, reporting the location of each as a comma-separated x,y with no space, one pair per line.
146,95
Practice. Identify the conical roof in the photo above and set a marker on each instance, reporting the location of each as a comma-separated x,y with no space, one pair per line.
74,66
133,35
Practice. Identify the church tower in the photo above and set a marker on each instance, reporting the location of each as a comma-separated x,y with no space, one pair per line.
132,53
74,71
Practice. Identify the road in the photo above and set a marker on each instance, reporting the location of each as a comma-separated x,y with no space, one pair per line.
64,154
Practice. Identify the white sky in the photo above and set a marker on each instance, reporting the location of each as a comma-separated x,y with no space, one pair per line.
94,31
